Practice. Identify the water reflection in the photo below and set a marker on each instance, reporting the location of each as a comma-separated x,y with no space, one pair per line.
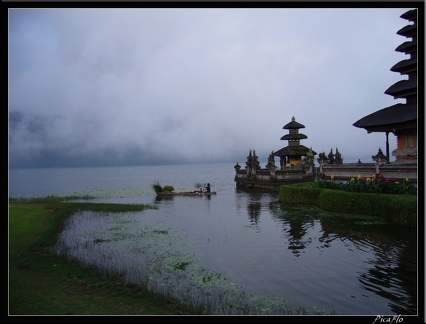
383,254
392,277
159,199
253,211
390,271
353,264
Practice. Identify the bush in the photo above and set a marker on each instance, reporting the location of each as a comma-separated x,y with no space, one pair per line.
396,208
168,188
300,195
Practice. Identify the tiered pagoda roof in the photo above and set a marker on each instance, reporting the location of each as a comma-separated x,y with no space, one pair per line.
294,147
399,116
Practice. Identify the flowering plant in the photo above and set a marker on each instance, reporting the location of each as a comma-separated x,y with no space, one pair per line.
373,185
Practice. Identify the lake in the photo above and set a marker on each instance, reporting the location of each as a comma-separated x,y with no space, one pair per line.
351,264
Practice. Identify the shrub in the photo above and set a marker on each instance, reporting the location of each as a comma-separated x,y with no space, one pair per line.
396,208
168,188
300,195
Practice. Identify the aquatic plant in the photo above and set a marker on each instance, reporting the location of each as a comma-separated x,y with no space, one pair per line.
168,188
158,258
157,187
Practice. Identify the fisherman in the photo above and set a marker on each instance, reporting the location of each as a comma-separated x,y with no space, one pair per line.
208,188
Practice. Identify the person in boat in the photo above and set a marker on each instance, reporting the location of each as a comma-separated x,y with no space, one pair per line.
207,188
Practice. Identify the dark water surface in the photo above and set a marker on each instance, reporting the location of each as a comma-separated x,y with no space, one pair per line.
351,264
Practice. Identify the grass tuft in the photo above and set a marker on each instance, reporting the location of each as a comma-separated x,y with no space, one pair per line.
157,187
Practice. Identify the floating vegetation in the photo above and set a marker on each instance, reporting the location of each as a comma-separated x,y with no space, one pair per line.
168,188
88,195
158,258
157,187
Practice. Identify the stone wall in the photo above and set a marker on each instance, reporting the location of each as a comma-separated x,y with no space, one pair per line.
348,171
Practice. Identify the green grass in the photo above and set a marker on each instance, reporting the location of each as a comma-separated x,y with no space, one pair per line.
41,283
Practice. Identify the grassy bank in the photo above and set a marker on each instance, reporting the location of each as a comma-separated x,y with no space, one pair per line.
398,209
44,284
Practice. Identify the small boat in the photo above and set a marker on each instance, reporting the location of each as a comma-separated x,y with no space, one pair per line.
185,193
168,191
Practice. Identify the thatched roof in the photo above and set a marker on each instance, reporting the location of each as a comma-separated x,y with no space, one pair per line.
293,124
408,30
294,137
410,15
298,150
407,47
403,87
389,118
405,65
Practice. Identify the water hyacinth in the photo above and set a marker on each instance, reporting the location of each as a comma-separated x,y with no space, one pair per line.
370,185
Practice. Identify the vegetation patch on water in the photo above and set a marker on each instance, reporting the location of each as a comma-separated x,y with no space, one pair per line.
89,194
158,258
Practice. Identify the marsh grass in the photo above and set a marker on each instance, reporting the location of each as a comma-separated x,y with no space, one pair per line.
85,195
41,283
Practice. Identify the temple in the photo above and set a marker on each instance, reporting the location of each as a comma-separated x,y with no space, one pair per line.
399,119
293,153
297,163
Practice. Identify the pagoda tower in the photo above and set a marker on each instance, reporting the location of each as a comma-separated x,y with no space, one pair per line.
400,119
292,154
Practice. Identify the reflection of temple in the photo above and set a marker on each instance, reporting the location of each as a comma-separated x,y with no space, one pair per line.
253,211
399,119
392,272
297,163
389,269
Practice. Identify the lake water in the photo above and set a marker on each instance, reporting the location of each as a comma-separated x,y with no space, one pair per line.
350,264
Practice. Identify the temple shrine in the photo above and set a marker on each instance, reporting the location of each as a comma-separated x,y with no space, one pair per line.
292,154
297,163
399,119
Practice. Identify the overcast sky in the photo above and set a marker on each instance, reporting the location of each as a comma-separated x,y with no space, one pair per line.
95,87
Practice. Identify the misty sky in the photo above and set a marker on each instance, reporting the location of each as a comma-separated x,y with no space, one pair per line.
103,87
